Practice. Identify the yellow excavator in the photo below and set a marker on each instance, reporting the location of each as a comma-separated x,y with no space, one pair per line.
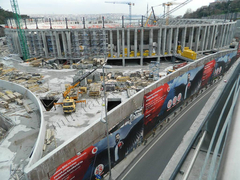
70,100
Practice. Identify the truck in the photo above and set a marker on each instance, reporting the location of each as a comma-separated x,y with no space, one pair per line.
70,95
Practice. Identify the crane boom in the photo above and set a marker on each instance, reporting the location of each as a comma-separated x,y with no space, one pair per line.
175,9
21,35
128,3
74,84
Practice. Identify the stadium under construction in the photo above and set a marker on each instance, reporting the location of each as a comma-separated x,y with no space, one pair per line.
120,43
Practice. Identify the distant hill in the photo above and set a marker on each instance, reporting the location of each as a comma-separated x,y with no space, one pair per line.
215,8
4,15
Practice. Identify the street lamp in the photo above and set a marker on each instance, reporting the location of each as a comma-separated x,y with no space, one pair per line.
106,120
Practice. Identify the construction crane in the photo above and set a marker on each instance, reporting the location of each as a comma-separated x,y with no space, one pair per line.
168,4
154,21
20,31
128,3
172,10
70,101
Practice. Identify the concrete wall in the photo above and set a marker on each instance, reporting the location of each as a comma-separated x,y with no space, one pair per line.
45,167
37,152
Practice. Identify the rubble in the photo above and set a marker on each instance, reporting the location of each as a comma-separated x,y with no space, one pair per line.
18,101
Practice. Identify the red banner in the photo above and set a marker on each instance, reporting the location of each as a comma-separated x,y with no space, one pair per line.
76,167
238,51
153,102
207,72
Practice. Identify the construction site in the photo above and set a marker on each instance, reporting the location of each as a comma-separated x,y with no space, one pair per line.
61,82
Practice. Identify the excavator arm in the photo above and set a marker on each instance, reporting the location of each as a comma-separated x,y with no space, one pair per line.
55,104
75,83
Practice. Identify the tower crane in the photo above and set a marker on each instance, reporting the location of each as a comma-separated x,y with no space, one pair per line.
174,9
21,34
130,4
168,4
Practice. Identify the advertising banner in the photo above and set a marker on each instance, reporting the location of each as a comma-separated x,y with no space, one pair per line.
93,161
208,72
162,101
77,166
158,104
153,102
238,51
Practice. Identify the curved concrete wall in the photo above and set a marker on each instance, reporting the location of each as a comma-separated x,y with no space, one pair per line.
37,152
44,168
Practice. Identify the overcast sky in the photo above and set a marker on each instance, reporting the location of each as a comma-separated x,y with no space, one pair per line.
97,6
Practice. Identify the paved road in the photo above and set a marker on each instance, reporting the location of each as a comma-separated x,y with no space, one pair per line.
160,151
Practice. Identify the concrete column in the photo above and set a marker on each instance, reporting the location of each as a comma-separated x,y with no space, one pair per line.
53,43
135,42
150,41
169,40
219,36
69,43
128,42
76,41
159,41
31,38
118,43
17,44
233,27
58,44
123,47
228,40
183,40
175,43
44,44
207,37
204,32
64,44
190,39
197,35
141,49
39,46
215,32
227,35
111,43
164,40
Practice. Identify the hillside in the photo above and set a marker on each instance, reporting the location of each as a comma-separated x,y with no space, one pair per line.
215,9
4,15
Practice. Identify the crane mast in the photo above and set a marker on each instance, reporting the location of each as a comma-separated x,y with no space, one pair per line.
20,31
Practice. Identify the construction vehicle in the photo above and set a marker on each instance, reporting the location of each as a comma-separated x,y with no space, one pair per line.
154,21
188,53
70,95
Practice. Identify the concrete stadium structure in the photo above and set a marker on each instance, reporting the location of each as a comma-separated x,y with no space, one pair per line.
75,40
161,41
